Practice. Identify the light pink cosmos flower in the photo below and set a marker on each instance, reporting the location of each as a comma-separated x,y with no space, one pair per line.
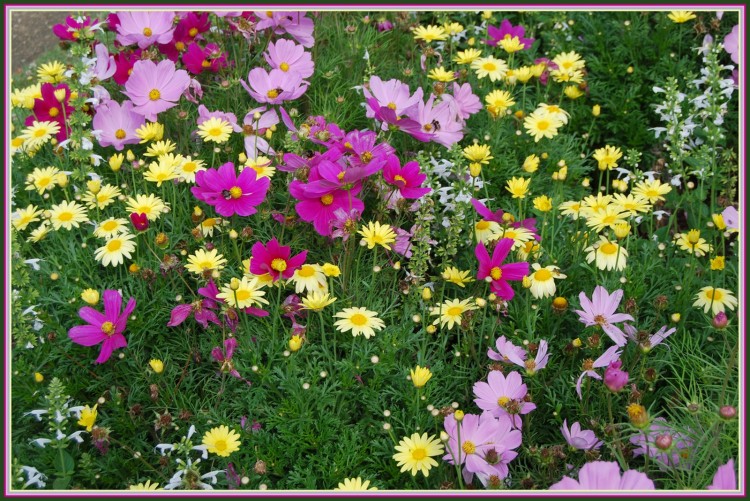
645,341
731,218
604,360
732,44
105,328
602,475
580,439
117,124
668,448
438,121
144,28
463,101
345,223
393,94
600,310
504,350
531,366
254,130
155,88
229,193
296,24
503,396
725,478
289,58
274,87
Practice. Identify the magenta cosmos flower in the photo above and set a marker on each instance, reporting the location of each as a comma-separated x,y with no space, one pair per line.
74,28
614,378
228,193
289,57
600,310
274,259
124,61
725,478
201,309
407,179
154,88
503,396
602,475
105,328
508,31
274,87
210,58
144,28
49,108
589,365
225,358
497,273
319,209
578,438
117,124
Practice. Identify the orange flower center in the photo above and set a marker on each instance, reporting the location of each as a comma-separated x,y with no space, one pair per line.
147,31
120,134
284,67
326,199
358,319
418,454
193,32
469,447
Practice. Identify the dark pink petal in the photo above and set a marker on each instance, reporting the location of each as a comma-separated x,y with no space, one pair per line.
179,314
92,316
86,335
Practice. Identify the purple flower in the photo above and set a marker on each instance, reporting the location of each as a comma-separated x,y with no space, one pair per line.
600,310
274,87
646,341
531,366
201,308
105,328
385,25
155,88
117,124
297,24
508,31
73,28
667,447
210,58
439,122
602,475
589,365
402,245
255,125
344,224
486,213
732,44
731,218
407,179
225,358
614,378
725,478
144,28
505,349
289,57
503,396
578,438
464,102
393,94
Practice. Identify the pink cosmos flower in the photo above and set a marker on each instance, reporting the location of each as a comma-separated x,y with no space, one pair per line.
604,360
209,58
228,193
725,478
225,358
486,213
531,366
289,58
296,24
254,130
403,244
463,101
274,87
73,27
360,144
507,30
385,25
144,28
407,179
393,94
274,259
602,475
105,328
614,378
503,396
732,44
499,274
117,124
319,210
645,341
439,121
344,224
578,438
204,114
600,310
125,60
506,349
486,443
668,448
730,215
155,88
49,109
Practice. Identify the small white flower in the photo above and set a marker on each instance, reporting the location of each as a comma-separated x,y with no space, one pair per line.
41,442
37,413
77,436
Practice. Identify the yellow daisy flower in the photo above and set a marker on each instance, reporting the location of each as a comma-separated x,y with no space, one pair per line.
543,280
541,124
115,250
38,133
38,233
531,163
486,231
358,320
106,195
42,179
420,376
467,56
316,301
651,190
498,101
88,417
415,453
608,255
429,33
222,441
607,157
355,484
243,293
631,204
456,276
150,131
441,75
479,153
53,72
377,234
449,313
216,130
111,227
23,217
309,277
715,299
693,243
67,215
203,261
164,169
147,486
262,166
151,205
681,16
518,187
490,67
188,168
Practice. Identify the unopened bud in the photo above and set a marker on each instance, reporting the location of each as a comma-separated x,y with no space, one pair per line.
459,415
727,412
663,442
720,321
426,294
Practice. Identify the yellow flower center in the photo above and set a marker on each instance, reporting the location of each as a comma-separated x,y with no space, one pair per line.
235,192
542,125
120,134
599,319
206,63
714,294
147,31
366,157
215,131
488,66
65,216
109,225
496,273
278,264
269,13
427,127
358,319
542,275
392,105
189,167
284,67
108,328
180,46
154,94
469,447
40,132
326,199
273,93
510,234
193,32
503,401
243,295
114,246
220,445
587,365
454,311
306,271
419,453
399,178
483,225
609,248
54,111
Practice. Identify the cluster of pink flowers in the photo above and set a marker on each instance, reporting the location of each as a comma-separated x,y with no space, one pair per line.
439,119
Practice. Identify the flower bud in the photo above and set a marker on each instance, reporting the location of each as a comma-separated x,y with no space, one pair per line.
139,220
526,282
720,321
233,234
260,467
94,186
663,442
156,365
431,329
60,95
559,304
727,412
295,343
38,377
459,415
622,230
614,378
161,240
638,415
242,158
62,179
444,437
675,317
426,294
719,222
475,169
134,268
596,110
234,284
